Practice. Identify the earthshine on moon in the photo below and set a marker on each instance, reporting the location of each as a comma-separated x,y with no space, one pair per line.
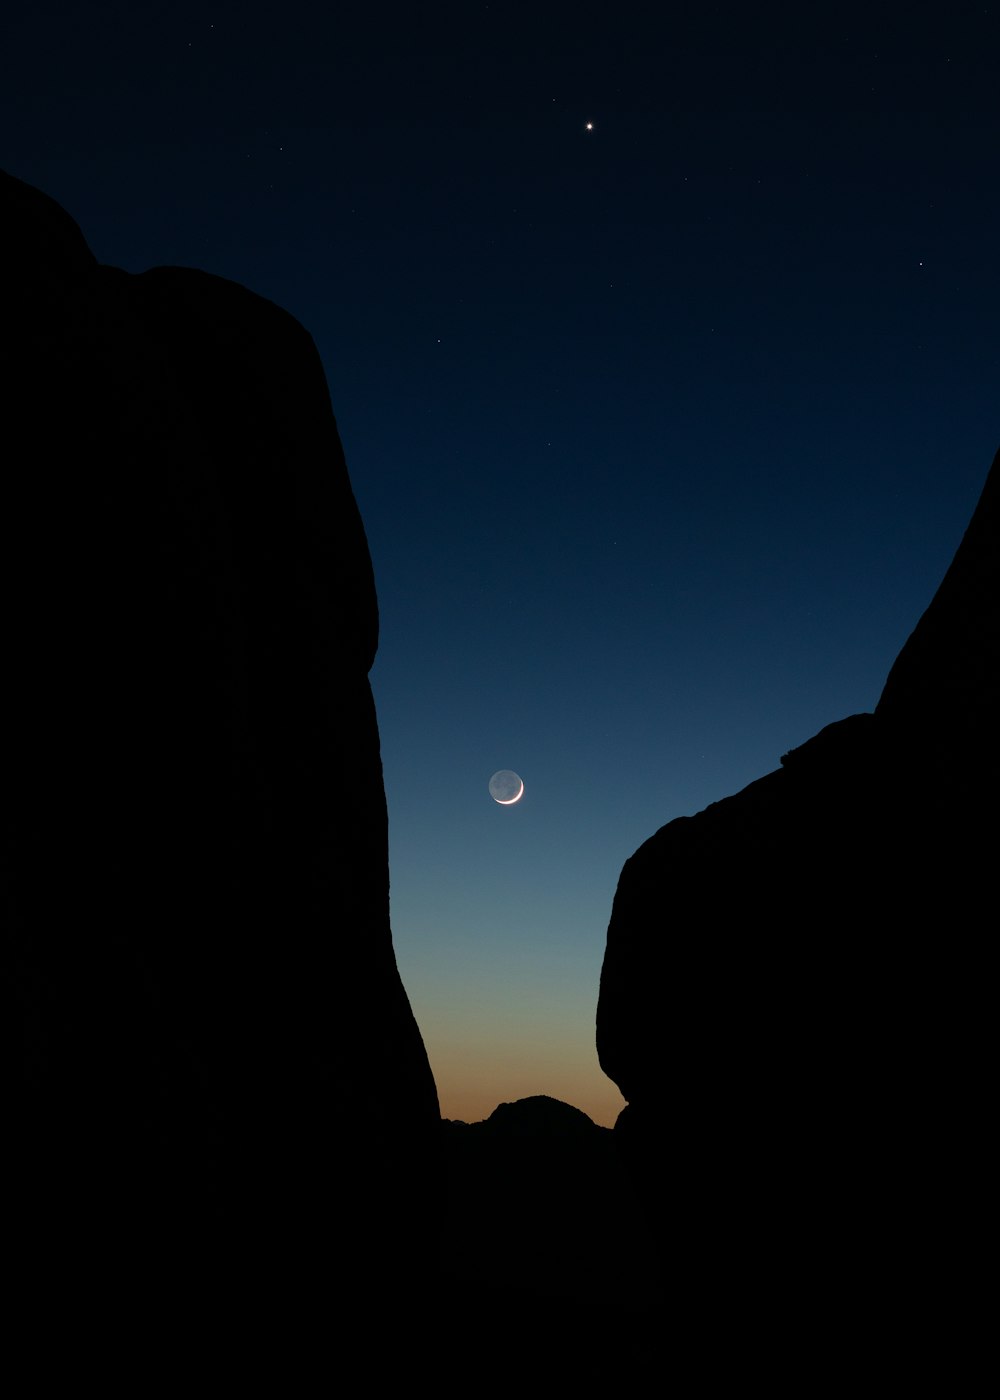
506,787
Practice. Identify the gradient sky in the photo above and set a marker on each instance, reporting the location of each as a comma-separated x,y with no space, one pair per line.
663,432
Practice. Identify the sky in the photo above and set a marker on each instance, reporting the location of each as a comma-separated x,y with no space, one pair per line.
662,341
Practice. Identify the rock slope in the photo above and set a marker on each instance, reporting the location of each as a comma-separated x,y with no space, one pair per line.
220,1061
795,1003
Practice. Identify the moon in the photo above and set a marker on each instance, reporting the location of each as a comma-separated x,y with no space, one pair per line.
506,788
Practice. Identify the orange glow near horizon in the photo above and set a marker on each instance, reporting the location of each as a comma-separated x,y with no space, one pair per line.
471,1085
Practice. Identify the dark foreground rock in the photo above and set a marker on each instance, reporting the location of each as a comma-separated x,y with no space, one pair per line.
541,1214
795,1001
224,1090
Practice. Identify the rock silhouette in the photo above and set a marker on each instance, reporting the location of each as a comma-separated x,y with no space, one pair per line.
794,1003
541,1214
220,1061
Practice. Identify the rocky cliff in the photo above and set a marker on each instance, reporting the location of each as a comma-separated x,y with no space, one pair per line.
795,1003
222,1078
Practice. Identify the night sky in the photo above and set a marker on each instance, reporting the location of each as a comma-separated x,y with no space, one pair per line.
663,345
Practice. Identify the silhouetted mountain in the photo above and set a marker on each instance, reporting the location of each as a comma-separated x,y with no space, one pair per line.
223,1080
794,1001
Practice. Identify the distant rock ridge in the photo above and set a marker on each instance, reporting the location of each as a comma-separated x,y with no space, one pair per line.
539,1115
796,1001
221,1070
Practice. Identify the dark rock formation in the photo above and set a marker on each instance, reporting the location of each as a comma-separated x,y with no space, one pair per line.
222,1079
541,1214
794,1003
540,1116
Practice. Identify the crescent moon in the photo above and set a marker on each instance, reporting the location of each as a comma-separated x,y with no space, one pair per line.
509,801
506,787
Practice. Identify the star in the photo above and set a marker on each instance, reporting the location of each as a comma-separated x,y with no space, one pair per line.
589,126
